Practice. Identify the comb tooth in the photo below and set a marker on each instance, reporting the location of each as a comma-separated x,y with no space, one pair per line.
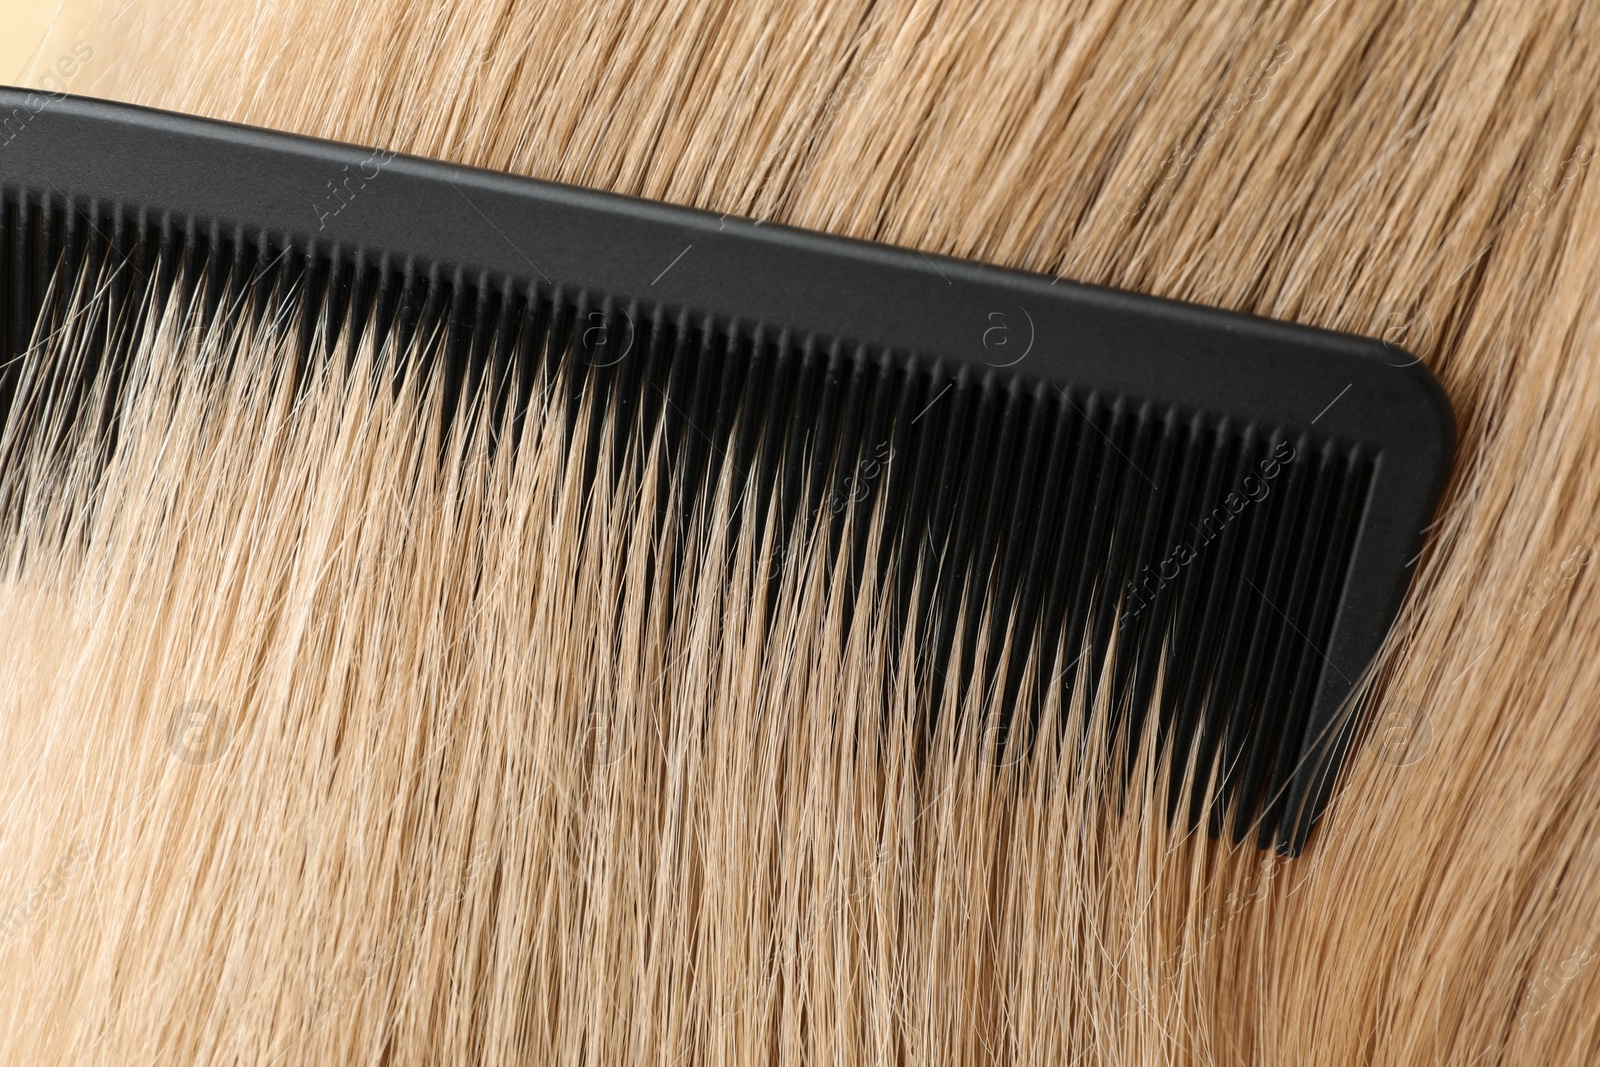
169,258
1090,576
1060,655
89,264
712,403
215,273
406,312
1289,605
841,445
946,436
245,265
959,603
1004,511
654,429
810,369
1228,463
72,248
707,381
1258,577
819,454
99,262
199,266
431,339
1328,734
744,385
138,233
484,328
237,268
15,323
592,371
906,386
558,332
311,287
501,307
266,277
48,258
928,402
1280,603
126,285
480,333
1056,421
335,282
437,296
627,337
1133,489
674,416
11,276
1151,628
17,275
754,408
871,469
528,369
784,402
604,332
35,274
727,387
67,236
1179,660
119,265
777,435
1241,546
1311,628
191,257
950,441
344,297
1027,500
767,435
354,300
386,303
990,495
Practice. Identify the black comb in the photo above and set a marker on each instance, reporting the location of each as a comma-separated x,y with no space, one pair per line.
1239,501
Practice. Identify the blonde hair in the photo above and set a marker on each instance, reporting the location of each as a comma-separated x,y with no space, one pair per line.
330,734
